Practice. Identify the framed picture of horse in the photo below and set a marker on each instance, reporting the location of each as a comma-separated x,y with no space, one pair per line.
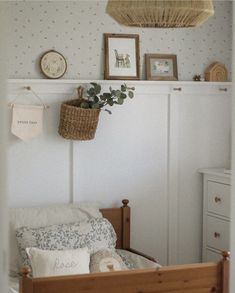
122,56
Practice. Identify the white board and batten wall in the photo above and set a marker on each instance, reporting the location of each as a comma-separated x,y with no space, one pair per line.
149,151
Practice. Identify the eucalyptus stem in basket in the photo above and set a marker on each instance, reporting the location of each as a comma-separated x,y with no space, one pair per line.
97,100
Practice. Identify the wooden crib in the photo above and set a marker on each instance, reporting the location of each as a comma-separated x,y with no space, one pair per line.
192,278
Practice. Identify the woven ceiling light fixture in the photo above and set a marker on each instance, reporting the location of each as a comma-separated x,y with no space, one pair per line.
160,13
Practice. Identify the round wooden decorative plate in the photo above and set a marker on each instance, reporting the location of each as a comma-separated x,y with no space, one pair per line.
53,64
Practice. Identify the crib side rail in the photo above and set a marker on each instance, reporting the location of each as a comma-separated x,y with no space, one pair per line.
195,278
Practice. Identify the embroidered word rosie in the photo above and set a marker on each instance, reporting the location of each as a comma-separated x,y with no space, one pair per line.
60,265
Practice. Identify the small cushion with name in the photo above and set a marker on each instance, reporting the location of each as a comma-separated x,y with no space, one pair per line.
48,263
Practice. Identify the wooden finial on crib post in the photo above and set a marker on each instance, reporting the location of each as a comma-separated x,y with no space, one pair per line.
26,283
125,202
225,271
126,218
226,255
25,271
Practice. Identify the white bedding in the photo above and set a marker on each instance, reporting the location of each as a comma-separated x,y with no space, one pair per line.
54,215
133,261
35,217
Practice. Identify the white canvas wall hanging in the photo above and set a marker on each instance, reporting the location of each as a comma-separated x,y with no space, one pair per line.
27,120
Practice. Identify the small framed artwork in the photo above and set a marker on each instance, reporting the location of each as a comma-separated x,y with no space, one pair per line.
121,52
161,67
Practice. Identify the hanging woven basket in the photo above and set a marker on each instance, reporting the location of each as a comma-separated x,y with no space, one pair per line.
77,123
160,13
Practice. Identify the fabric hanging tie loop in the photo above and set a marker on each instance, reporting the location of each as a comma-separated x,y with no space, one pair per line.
28,88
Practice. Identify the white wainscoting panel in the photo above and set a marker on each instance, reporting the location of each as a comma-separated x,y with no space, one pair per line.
128,159
39,171
203,140
148,150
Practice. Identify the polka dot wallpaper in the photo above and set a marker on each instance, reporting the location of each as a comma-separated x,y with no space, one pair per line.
75,29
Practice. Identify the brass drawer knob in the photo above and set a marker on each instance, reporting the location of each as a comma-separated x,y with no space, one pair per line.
223,89
177,89
217,235
217,199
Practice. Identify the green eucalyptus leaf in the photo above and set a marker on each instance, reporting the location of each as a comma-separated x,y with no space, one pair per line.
113,93
130,94
95,106
110,102
120,101
103,97
107,95
118,93
97,89
84,105
91,92
123,87
123,96
96,99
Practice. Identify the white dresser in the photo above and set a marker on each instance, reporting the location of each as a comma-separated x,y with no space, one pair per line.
216,213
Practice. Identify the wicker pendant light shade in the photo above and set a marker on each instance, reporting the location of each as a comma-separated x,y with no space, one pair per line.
160,13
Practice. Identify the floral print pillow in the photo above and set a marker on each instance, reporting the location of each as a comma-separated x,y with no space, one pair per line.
95,234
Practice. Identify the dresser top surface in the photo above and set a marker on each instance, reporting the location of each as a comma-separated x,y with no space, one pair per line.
221,172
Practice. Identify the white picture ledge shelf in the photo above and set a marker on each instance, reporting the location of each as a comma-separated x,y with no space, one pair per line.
63,86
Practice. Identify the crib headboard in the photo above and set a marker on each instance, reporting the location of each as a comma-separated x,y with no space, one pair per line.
120,219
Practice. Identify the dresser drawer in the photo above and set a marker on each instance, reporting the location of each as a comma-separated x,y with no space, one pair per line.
212,256
218,233
218,198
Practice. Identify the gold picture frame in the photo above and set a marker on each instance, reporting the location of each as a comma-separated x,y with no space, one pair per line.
161,67
122,57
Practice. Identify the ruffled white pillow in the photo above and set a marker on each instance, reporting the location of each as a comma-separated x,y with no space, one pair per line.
47,263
